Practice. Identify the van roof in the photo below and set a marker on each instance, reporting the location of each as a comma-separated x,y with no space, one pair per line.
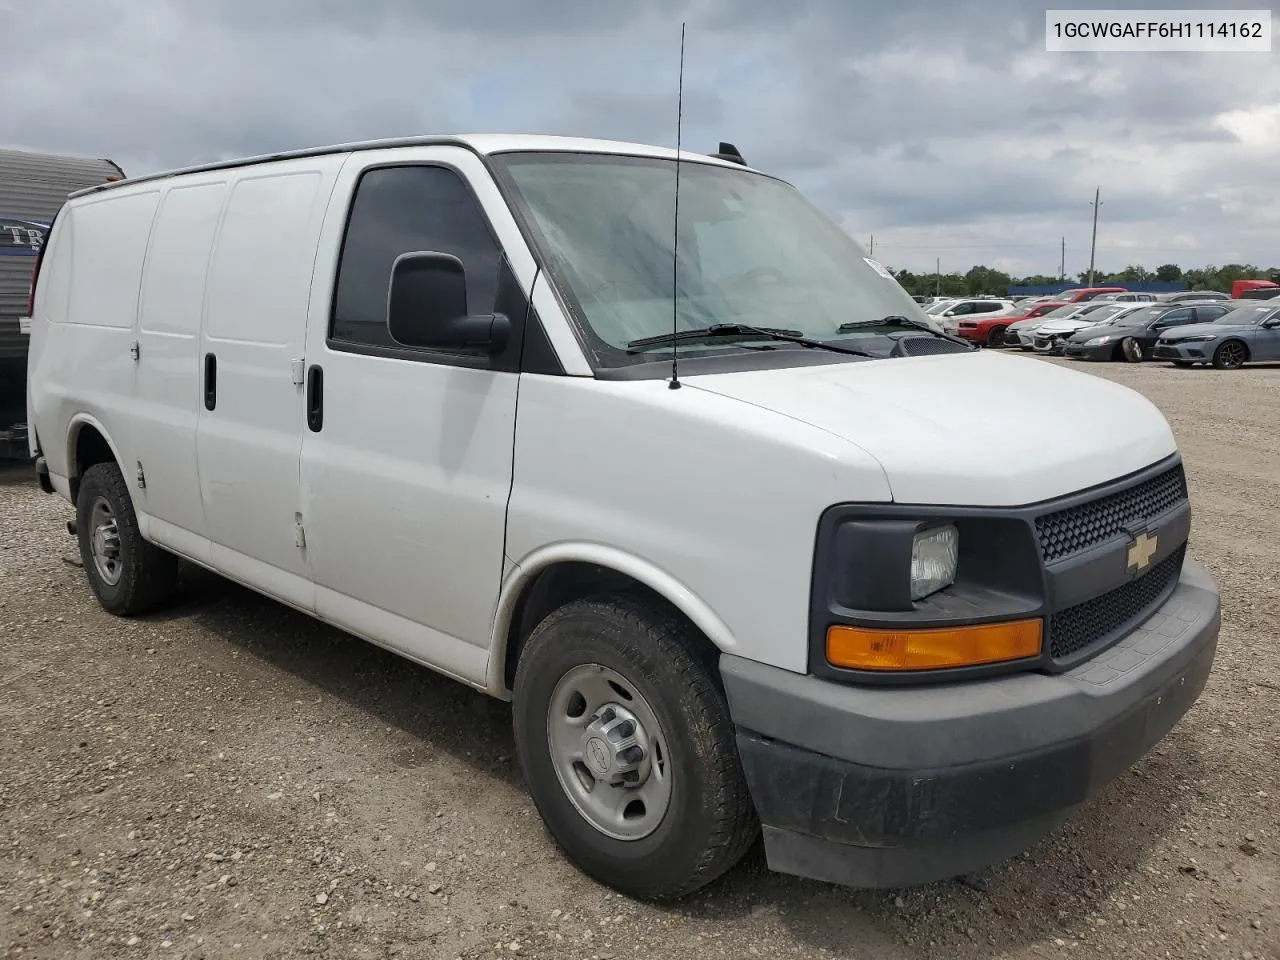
484,144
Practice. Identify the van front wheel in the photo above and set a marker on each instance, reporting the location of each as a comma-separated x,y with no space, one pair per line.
627,747
127,574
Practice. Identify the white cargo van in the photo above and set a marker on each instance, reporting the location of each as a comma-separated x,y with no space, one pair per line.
423,390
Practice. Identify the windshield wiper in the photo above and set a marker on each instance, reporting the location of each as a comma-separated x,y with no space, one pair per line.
742,330
898,321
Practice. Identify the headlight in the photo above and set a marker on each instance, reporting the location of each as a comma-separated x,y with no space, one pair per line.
1098,341
934,554
1198,338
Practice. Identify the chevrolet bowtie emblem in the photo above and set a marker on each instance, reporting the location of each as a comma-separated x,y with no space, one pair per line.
1143,549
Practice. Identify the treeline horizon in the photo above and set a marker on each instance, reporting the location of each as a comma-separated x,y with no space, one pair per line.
979,280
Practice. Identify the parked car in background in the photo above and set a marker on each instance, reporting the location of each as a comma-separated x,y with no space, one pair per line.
1049,336
991,329
1132,337
1128,297
1019,334
1184,296
1080,294
974,307
1249,332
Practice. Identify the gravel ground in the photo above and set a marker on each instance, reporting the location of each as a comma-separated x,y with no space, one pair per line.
231,779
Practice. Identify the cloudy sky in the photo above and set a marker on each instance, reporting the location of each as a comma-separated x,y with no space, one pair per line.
941,127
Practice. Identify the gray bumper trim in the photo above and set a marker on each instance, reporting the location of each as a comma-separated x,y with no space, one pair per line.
945,725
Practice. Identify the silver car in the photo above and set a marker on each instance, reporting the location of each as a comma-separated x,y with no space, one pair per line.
1245,334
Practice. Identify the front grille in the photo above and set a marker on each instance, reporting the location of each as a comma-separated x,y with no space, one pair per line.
927,346
1078,528
1103,618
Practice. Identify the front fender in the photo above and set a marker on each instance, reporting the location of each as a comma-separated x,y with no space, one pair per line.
527,569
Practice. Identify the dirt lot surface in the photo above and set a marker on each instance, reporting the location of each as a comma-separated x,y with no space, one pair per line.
230,779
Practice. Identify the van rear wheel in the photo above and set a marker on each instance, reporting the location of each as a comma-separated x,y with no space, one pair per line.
627,747
126,573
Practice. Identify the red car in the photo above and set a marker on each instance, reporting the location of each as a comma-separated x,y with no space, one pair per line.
1080,294
990,330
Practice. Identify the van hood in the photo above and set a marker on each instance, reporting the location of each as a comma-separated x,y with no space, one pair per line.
973,429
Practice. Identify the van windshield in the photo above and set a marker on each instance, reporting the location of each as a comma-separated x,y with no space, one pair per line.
751,250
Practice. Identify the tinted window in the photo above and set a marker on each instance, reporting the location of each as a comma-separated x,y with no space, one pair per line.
1141,316
1175,318
402,210
1248,314
1209,314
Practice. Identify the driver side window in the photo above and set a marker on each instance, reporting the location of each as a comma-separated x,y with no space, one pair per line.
1173,318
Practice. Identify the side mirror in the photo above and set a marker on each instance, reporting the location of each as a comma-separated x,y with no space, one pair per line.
427,307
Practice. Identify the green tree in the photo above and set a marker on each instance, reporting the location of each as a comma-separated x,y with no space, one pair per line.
983,280
1168,273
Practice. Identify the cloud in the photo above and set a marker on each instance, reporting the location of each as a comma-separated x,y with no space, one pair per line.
943,128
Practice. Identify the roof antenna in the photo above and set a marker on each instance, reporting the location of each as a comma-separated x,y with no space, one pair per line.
675,239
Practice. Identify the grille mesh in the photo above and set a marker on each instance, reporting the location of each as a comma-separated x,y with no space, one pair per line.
1077,628
927,346
1078,528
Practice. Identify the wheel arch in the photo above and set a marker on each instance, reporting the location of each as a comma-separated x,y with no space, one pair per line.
88,444
560,573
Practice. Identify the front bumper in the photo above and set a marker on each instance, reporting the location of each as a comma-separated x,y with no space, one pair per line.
1047,344
1078,351
1195,352
897,786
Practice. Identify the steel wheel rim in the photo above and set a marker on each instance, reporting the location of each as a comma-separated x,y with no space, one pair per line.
104,542
1232,354
1132,349
609,752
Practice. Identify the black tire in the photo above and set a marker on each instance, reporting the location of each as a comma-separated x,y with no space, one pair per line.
146,574
995,337
1130,350
710,821
1230,355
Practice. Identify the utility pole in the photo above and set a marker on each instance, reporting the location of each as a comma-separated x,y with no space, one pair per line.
1093,246
937,277
1062,266
873,246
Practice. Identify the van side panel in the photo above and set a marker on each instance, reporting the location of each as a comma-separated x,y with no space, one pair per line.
716,500
249,444
405,483
50,303
168,383
85,368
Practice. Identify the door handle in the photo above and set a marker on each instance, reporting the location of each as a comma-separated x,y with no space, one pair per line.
210,381
315,398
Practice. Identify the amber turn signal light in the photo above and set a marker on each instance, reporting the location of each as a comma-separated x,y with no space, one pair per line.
862,648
